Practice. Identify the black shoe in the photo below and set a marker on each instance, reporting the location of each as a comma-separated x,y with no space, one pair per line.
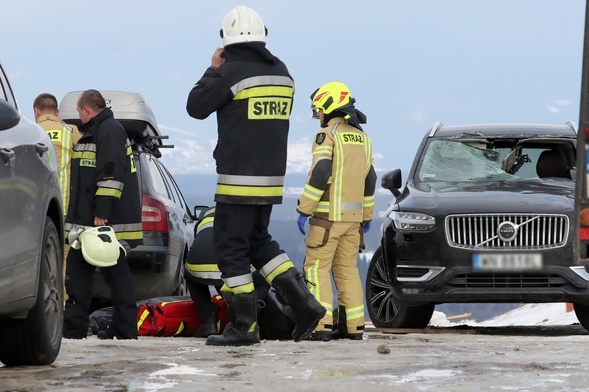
69,336
233,336
320,336
352,336
105,334
206,329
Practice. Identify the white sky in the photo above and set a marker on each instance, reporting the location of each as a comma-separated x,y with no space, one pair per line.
409,63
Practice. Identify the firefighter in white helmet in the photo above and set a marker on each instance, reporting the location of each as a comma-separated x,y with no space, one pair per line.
339,199
251,91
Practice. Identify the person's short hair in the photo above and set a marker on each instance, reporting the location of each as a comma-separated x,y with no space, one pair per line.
45,101
93,99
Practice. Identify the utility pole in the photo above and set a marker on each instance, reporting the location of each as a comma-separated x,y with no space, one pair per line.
581,224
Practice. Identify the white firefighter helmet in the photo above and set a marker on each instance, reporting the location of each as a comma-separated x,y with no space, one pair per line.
100,247
243,24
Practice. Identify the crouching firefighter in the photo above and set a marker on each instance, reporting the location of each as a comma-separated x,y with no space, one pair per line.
275,320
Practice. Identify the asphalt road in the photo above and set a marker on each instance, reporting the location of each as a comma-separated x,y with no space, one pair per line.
435,359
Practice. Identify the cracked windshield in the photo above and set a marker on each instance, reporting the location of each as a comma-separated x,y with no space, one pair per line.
454,161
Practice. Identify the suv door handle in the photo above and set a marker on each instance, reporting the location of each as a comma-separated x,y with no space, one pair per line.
41,148
8,156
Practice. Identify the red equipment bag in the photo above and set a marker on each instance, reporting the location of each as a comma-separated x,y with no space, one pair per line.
175,318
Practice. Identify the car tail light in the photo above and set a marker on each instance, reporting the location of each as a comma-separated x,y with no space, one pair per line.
153,214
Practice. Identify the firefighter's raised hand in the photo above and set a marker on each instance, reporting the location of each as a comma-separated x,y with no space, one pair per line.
301,222
218,58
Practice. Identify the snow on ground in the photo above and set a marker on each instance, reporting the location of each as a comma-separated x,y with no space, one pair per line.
526,314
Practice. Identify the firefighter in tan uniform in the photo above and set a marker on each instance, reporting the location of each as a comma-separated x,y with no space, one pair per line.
339,199
64,137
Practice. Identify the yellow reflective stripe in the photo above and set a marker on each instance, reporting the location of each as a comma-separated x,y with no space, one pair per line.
232,190
142,318
203,267
327,306
313,277
368,201
243,289
129,235
328,150
322,206
180,329
354,313
312,192
368,151
108,192
265,91
84,155
275,267
337,185
206,222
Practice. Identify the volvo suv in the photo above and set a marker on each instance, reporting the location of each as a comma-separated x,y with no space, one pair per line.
157,266
484,216
31,239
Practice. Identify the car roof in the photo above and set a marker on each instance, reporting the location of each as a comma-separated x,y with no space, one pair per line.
505,130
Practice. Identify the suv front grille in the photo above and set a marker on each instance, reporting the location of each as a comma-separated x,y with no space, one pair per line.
519,231
516,280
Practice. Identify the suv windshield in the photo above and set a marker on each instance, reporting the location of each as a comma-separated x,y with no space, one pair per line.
448,160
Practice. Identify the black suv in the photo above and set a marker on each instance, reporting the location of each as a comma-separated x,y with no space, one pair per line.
157,266
31,239
485,216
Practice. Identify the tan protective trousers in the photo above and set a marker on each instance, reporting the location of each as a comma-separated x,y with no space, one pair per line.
333,246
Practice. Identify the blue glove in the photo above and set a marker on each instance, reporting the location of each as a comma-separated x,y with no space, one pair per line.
366,227
301,222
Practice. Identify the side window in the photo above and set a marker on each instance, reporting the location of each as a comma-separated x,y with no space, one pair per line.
175,190
5,90
157,180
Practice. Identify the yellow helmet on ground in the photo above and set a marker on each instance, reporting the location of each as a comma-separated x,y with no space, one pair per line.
331,96
243,24
100,247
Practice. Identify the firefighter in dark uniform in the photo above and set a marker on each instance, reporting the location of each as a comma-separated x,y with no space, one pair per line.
104,191
252,92
339,198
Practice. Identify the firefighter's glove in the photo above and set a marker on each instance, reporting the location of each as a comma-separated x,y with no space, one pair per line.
366,227
301,222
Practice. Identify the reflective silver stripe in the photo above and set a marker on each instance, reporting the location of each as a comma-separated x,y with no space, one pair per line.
206,275
237,281
229,179
85,147
111,184
119,228
267,80
273,264
352,206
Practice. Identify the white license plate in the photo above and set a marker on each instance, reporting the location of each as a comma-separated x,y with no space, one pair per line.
507,261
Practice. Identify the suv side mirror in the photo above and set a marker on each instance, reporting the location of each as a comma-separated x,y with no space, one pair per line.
392,181
9,117
199,211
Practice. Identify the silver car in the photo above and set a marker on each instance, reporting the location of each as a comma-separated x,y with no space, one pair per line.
31,239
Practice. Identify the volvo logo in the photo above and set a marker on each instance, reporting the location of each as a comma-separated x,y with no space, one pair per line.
507,231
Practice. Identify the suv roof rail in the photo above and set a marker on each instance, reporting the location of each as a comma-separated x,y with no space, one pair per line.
435,129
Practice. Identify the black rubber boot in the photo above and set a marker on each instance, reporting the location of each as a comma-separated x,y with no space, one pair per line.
242,329
307,310
208,325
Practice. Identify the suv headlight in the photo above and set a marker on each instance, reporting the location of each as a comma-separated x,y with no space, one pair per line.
412,221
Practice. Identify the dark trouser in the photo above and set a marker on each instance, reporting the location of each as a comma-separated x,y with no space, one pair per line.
78,283
201,296
240,237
